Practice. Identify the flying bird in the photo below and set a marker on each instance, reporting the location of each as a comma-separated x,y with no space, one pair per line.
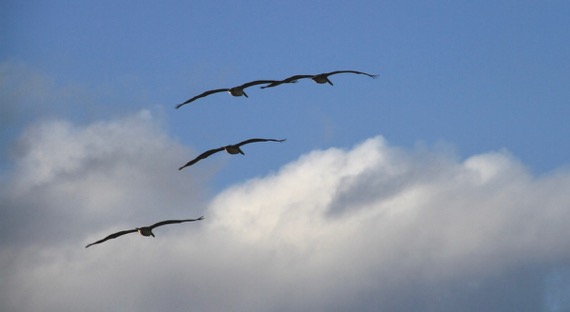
319,78
144,231
231,149
235,91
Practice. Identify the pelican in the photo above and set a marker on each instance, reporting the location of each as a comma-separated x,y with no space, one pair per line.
235,91
231,149
144,231
319,78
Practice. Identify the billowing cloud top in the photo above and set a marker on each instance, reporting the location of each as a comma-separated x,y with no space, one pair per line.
373,228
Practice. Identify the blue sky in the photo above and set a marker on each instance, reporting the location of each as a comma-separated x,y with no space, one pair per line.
483,76
88,89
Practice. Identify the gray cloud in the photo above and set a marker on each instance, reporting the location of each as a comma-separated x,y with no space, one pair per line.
28,95
69,179
369,229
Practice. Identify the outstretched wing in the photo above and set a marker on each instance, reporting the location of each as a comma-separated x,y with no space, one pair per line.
256,82
201,95
351,72
115,235
173,222
258,140
292,79
202,156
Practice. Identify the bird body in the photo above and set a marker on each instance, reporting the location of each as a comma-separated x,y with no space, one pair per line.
235,91
144,231
318,78
321,79
233,149
230,149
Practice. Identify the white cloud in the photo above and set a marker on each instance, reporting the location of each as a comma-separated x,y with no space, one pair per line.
368,229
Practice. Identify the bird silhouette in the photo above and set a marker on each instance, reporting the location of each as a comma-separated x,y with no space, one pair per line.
144,231
318,78
235,91
231,149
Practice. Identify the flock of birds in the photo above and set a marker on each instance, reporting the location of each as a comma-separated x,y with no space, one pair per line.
239,90
232,148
